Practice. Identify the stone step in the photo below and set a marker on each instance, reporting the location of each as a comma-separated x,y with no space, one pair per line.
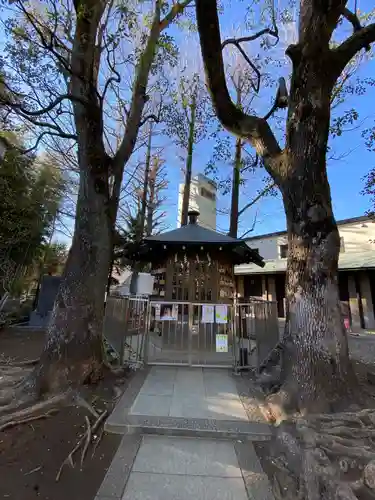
196,428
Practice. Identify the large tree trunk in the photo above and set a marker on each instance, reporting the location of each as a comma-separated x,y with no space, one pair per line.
316,361
151,204
189,164
146,183
236,178
73,348
235,198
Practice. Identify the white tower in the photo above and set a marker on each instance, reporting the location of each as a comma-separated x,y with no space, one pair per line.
202,199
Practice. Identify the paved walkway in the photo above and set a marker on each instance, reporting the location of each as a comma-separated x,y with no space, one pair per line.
189,393
168,468
159,466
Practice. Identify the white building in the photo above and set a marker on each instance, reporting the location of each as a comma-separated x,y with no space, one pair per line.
202,199
356,270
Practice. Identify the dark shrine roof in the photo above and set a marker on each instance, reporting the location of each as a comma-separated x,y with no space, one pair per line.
193,235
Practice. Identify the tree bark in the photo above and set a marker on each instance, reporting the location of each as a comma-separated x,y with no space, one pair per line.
73,351
146,182
235,199
189,164
151,201
316,359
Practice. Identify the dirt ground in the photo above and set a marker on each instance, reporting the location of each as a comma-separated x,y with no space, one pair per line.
31,454
21,343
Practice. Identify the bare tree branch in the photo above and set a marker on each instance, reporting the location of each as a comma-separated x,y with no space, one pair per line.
139,97
264,191
252,128
352,18
281,99
361,39
152,117
175,11
238,41
44,110
52,134
252,227
49,45
54,127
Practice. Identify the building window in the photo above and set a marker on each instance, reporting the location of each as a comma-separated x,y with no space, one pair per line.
207,194
283,251
342,244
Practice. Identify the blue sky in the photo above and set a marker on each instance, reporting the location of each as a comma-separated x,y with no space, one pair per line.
345,174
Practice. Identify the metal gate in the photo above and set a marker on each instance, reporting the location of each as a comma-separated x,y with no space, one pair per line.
257,333
192,334
124,327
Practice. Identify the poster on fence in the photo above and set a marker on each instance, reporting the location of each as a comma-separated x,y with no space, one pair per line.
157,312
221,315
208,314
221,343
168,312
175,311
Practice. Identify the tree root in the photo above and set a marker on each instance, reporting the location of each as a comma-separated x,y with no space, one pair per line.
14,423
28,411
80,401
97,441
330,457
33,470
87,442
84,440
10,376
9,381
27,362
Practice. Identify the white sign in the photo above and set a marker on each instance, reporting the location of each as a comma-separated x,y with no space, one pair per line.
221,343
208,314
221,315
157,312
168,312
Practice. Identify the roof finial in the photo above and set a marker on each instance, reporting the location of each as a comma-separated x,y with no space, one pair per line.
193,216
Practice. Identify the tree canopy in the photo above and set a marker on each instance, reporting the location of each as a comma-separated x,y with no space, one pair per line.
31,191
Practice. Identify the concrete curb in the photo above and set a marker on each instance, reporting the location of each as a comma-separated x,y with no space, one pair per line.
117,476
118,417
255,479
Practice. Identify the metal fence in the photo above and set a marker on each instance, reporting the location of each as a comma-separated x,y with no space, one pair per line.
125,326
193,334
186,333
257,333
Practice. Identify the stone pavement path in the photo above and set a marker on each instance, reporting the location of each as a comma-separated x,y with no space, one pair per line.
189,393
159,466
180,468
168,468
